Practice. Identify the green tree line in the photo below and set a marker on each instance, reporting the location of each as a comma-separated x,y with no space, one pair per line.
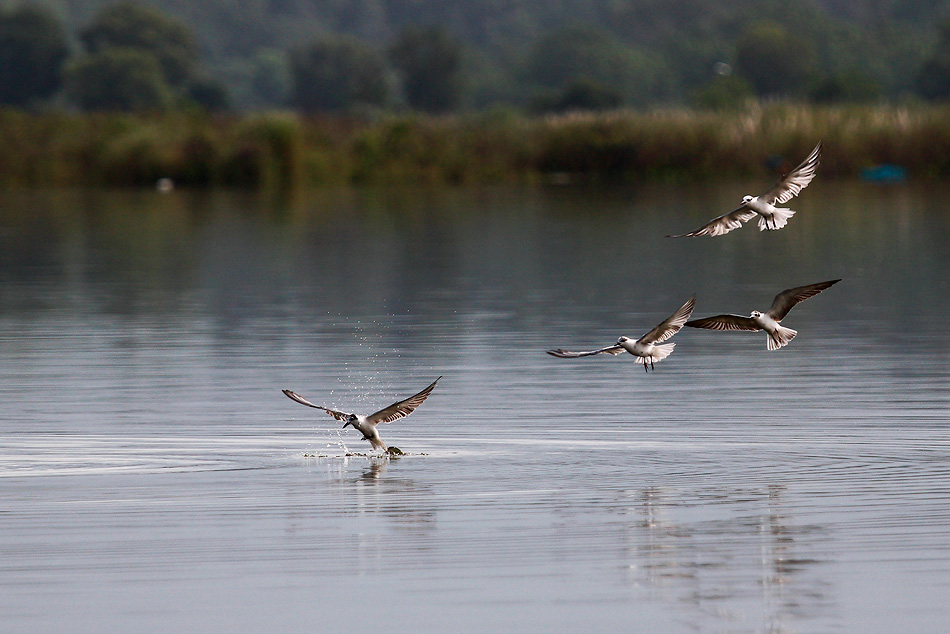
442,56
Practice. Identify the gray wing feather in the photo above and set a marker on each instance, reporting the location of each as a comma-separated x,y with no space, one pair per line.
787,299
332,412
402,408
721,224
561,353
795,181
672,324
724,322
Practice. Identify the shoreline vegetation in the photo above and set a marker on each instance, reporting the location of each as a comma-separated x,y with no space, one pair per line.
284,150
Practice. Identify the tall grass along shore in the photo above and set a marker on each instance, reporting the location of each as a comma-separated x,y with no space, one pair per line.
284,150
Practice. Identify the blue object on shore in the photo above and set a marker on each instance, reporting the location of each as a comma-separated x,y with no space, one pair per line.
886,173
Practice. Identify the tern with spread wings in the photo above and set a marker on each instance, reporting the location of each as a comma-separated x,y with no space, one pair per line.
367,424
646,348
764,205
779,335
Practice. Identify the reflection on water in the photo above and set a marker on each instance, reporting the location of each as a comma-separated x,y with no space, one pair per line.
760,560
154,478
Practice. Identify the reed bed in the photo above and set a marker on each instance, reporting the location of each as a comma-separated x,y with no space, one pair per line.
286,150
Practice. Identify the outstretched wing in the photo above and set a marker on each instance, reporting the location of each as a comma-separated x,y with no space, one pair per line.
721,225
724,322
787,299
332,412
402,408
795,181
672,324
561,353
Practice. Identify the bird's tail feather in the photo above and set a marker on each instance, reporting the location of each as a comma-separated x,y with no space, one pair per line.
660,352
781,337
778,220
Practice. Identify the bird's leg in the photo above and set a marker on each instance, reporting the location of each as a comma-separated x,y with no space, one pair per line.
646,368
652,367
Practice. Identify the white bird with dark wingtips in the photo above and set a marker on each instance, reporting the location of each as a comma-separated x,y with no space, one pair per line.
645,349
367,424
779,335
764,205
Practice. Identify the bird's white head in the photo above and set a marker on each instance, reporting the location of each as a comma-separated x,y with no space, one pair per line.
755,314
622,339
350,421
747,199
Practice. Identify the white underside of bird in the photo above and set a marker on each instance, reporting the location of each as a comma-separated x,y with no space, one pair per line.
368,430
770,216
779,335
646,352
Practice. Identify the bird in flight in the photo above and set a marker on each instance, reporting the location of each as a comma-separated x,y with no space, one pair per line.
779,335
764,205
645,349
367,424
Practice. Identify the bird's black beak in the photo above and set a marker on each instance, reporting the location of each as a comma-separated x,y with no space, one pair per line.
345,424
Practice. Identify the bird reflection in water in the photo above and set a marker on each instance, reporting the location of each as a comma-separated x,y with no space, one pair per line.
710,565
374,469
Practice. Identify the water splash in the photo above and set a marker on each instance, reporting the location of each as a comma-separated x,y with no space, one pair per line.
338,441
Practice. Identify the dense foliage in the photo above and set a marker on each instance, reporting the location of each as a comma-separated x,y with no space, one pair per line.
32,51
284,151
338,74
118,79
542,55
137,27
428,60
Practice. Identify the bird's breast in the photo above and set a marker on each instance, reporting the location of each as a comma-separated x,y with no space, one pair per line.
635,347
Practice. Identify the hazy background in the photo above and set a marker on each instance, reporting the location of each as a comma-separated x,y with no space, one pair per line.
457,55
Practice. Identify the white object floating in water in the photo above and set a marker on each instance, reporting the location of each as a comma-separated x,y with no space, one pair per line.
164,185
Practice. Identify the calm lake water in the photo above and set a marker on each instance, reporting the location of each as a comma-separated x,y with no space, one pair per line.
153,478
